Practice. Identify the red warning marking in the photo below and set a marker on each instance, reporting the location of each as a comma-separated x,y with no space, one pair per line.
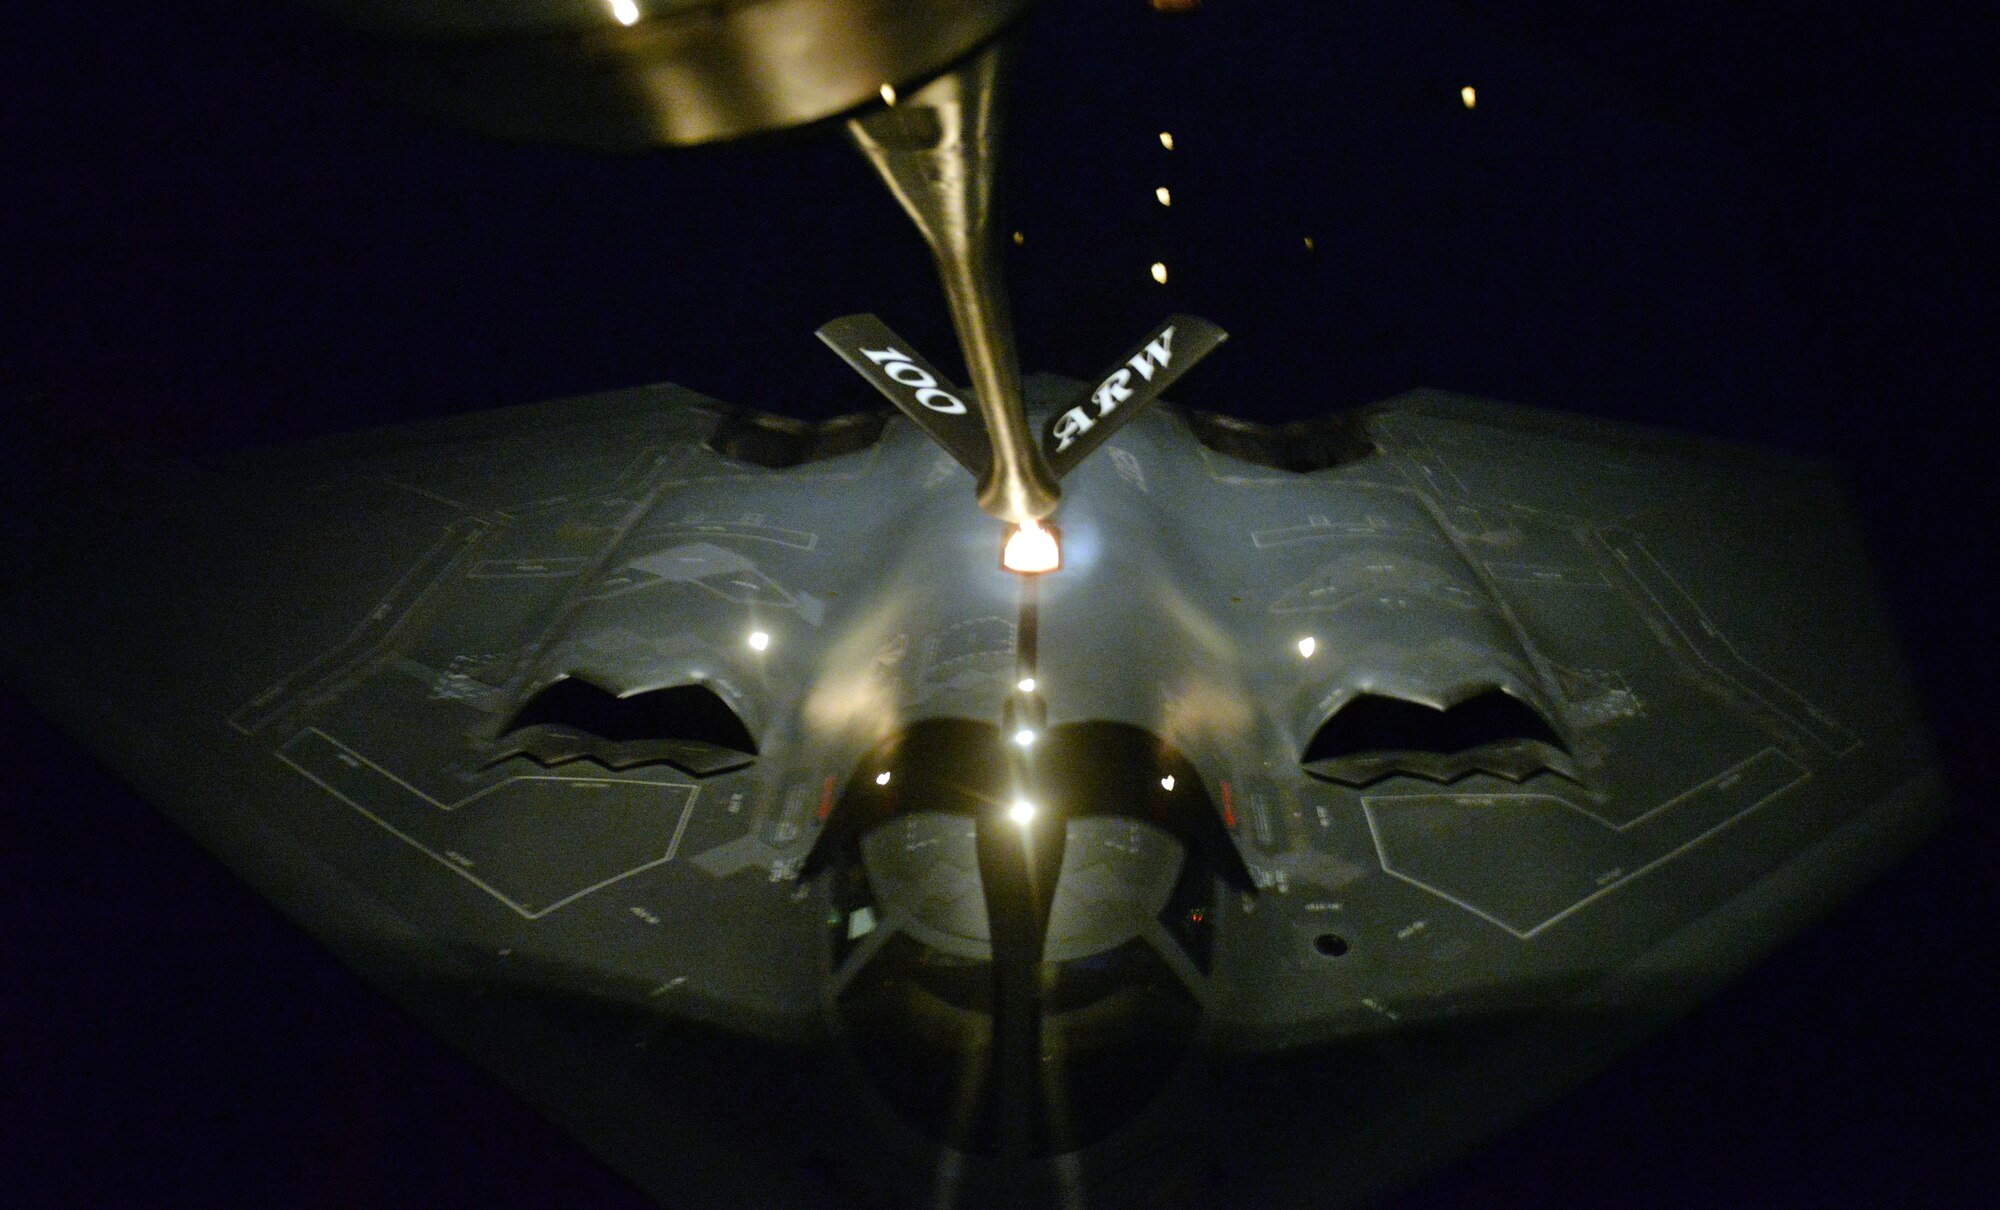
825,801
1228,806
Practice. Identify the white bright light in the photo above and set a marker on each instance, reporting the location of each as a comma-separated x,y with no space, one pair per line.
1031,550
1165,195
627,11
1306,646
888,94
1167,782
1022,812
882,778
1025,737
1166,140
1160,272
759,641
1469,95
1027,684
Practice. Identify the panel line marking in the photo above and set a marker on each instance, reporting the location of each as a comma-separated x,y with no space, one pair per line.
1826,725
1368,805
673,846
368,635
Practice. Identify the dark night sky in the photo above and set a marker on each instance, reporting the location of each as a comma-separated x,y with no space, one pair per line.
1765,222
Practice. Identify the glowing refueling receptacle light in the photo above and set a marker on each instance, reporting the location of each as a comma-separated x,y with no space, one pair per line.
1166,140
1022,812
1167,782
1469,95
1025,737
1306,646
626,11
1026,684
1160,272
759,641
1031,549
1165,195
882,778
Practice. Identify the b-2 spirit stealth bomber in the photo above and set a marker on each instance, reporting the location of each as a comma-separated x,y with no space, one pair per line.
1397,768
1306,803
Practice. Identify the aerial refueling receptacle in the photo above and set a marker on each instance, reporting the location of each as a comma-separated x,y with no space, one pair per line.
1031,549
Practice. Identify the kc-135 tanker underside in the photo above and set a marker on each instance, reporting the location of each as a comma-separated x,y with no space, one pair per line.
701,771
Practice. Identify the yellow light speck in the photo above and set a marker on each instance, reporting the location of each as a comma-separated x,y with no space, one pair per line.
625,11
1166,198
1309,243
1469,95
1160,272
882,778
1167,783
1166,140
888,93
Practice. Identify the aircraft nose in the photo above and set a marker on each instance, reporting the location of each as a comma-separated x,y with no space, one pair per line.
1020,983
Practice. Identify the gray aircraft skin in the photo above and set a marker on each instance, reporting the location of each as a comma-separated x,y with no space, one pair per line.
1389,775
